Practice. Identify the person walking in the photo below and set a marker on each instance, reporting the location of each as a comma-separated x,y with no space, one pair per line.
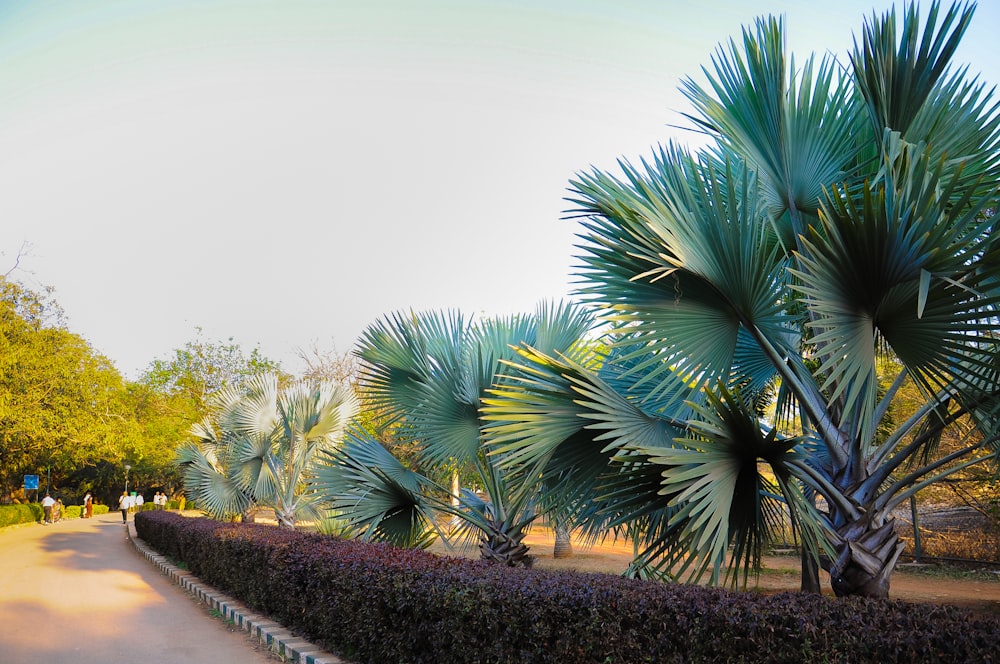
88,506
123,502
47,503
139,500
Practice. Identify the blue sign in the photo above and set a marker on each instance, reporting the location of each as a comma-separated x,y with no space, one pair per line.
31,482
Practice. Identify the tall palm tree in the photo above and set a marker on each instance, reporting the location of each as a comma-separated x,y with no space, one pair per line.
839,215
431,371
258,447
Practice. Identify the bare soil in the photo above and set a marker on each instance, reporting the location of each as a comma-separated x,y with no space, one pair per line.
935,584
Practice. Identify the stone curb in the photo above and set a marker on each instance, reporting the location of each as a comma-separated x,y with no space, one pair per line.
278,639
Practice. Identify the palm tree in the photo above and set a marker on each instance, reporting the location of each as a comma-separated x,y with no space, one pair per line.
430,371
840,215
258,447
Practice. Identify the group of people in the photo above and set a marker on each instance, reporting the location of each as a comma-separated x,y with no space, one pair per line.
52,508
133,503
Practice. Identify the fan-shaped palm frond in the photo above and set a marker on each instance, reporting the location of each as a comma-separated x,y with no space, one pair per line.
705,268
207,482
897,75
899,264
800,128
377,496
248,409
729,480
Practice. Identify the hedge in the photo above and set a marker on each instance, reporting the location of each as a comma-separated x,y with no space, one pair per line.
377,603
21,513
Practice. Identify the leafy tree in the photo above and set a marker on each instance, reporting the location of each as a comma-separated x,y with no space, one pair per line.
259,445
430,372
63,406
838,215
65,411
201,369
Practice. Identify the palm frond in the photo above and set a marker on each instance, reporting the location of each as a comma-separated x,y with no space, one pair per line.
374,492
249,408
721,494
960,124
254,468
208,484
800,128
683,257
903,264
897,79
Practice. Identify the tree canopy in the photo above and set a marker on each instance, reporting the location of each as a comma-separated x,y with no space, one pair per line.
67,413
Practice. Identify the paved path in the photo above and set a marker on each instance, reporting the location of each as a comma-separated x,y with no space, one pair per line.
77,592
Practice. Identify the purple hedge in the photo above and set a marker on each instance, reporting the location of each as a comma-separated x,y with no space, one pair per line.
376,603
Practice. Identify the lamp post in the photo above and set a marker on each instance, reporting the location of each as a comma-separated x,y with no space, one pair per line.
127,468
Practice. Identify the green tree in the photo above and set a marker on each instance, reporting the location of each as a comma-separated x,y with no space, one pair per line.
430,372
839,214
63,406
201,369
259,446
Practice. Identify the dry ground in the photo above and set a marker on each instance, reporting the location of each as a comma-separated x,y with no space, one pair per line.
931,584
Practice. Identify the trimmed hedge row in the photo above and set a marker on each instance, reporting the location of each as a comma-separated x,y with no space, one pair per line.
376,603
21,513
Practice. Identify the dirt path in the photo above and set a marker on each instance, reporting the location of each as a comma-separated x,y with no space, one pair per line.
781,573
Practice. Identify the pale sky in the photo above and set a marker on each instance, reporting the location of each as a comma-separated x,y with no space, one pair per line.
285,173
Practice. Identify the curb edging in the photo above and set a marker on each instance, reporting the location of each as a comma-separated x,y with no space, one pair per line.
276,637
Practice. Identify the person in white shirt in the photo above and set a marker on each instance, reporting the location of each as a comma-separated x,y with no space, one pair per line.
47,503
139,500
123,504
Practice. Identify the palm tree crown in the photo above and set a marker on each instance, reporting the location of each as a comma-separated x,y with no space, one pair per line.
430,371
258,447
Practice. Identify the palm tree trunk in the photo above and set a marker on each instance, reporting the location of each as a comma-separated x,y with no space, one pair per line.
866,557
563,547
810,574
456,490
500,548
286,519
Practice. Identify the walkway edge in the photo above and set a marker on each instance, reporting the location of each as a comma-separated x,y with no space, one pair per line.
276,637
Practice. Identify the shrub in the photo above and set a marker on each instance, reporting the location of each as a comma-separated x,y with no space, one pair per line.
101,509
21,513
378,603
72,512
